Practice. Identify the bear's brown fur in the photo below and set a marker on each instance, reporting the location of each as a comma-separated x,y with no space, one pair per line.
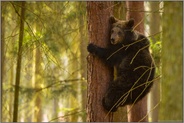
129,54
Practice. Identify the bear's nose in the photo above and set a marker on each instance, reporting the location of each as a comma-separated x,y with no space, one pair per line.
112,41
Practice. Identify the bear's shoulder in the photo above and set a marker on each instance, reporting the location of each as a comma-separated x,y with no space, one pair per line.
136,42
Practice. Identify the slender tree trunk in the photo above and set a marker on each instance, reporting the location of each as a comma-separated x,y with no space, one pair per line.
99,75
138,111
76,87
38,82
136,10
154,96
83,45
2,51
155,20
37,79
119,10
19,58
33,78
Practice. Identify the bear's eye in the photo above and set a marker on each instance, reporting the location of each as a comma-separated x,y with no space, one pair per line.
119,33
112,31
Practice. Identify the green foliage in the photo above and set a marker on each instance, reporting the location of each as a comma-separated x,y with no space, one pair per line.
156,53
156,49
51,59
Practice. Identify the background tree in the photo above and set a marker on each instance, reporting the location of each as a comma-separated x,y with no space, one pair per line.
19,58
154,19
137,112
3,8
84,40
171,97
119,10
99,75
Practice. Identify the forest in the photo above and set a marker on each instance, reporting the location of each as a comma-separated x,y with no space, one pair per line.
47,74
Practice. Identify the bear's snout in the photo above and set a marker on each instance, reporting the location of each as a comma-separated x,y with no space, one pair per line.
112,41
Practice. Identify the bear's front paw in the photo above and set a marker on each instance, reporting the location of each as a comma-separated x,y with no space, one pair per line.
91,48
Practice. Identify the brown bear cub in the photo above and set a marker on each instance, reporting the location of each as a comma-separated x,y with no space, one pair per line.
129,54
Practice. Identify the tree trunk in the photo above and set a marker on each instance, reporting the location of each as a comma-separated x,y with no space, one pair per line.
38,82
2,50
38,72
99,75
155,20
138,111
83,62
19,58
119,10
136,10
154,95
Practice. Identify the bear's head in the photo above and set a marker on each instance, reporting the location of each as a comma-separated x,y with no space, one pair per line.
120,30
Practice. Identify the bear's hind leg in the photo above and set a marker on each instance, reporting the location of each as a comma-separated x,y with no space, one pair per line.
114,98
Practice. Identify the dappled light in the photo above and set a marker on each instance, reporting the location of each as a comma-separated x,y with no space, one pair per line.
46,72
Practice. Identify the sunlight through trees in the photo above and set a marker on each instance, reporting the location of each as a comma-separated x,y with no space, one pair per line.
44,59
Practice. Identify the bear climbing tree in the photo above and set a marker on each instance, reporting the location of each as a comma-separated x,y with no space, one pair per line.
127,51
129,54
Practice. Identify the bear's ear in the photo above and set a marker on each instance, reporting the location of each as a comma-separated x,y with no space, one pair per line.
130,23
112,20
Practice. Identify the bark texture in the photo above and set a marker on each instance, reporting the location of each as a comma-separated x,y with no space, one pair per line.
99,75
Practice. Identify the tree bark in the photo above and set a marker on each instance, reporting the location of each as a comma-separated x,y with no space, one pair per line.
138,111
19,58
99,75
154,95
136,10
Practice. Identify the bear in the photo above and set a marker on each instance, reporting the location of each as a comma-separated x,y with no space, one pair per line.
128,52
